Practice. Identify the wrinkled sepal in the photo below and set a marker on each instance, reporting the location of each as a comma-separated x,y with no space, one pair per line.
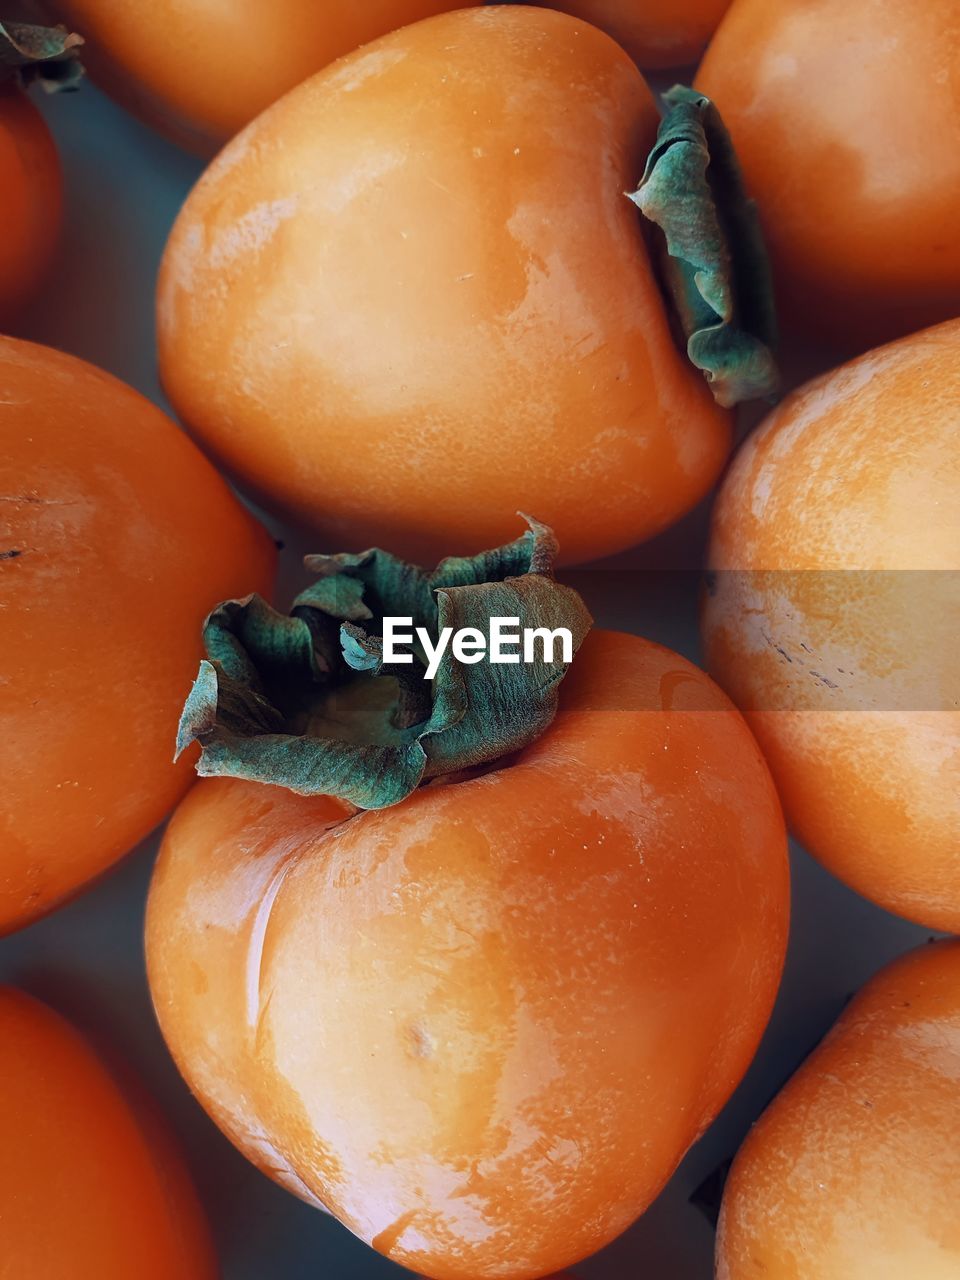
714,263
47,56
306,700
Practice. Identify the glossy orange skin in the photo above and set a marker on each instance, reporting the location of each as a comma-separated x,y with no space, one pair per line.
656,33
88,1188
115,537
853,1170
31,204
482,1027
857,194
402,343
840,644
201,70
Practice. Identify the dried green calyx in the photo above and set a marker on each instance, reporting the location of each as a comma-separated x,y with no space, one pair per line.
307,700
47,56
713,262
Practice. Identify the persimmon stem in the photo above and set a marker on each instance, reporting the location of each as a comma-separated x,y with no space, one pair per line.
317,702
713,261
47,56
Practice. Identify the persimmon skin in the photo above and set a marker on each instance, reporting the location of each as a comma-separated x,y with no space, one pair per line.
839,640
402,345
31,205
482,1027
853,1169
657,34
86,1187
200,72
115,536
857,196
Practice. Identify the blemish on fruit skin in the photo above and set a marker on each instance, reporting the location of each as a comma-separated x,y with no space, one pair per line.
252,231
421,1042
389,1236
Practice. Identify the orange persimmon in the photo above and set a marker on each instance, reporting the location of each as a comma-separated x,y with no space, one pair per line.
413,297
656,33
90,1187
844,122
484,1024
831,618
200,71
853,1170
115,533
30,198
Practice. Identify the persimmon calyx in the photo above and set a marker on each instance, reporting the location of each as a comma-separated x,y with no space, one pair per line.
48,56
317,702
713,261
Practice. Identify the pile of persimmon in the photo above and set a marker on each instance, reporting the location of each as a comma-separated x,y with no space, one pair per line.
471,961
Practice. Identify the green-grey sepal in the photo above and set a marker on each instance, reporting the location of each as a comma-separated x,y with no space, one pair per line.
306,701
47,56
713,259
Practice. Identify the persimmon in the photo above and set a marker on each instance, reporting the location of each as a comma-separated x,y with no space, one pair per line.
200,72
30,178
832,617
853,1169
856,194
656,33
114,531
482,1019
90,1187
413,295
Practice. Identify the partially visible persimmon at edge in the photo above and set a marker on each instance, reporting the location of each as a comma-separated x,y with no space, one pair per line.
202,71
88,1189
31,199
491,1019
656,33
832,619
853,1169
116,536
859,196
401,344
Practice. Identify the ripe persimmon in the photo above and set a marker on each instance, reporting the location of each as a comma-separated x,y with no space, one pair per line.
90,1187
30,209
200,72
858,196
114,532
656,33
853,1169
414,296
30,178
483,1024
831,618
